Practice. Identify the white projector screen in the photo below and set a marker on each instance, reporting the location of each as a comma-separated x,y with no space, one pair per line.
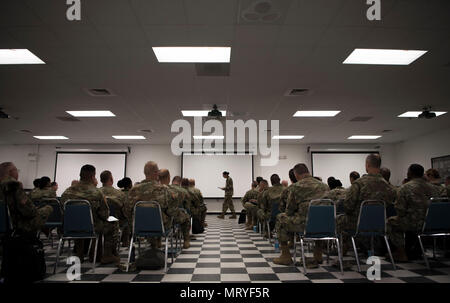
207,170
68,165
338,165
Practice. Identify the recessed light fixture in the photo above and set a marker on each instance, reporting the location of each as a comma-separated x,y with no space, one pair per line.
363,137
316,113
287,137
51,137
91,113
199,113
383,56
18,56
192,54
414,114
129,137
209,137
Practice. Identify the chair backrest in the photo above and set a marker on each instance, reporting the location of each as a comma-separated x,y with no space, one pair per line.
57,214
147,218
440,199
437,219
321,219
275,211
78,220
5,218
372,218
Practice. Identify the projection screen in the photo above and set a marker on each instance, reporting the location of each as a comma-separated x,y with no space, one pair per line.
207,170
338,165
68,165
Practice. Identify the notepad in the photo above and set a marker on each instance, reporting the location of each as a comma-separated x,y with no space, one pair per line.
112,219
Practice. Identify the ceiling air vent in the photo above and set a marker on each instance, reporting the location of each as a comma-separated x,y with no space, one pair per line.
293,92
386,130
68,119
99,92
212,69
360,119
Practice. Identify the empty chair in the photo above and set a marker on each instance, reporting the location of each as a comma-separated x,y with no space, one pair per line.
78,224
320,226
437,223
148,222
372,223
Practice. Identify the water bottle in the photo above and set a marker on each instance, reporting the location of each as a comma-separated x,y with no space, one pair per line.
254,228
277,244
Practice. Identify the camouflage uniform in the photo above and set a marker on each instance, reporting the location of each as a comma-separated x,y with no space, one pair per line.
118,199
126,232
283,198
268,198
38,194
149,190
335,194
201,206
300,194
368,187
440,191
100,213
228,201
250,207
446,192
181,217
411,206
24,215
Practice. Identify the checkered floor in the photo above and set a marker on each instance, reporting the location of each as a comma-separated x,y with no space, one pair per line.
228,253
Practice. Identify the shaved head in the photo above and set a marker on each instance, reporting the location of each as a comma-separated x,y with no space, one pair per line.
373,160
164,176
191,182
8,169
151,170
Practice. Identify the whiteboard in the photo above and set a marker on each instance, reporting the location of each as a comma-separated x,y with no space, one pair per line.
338,165
68,166
207,170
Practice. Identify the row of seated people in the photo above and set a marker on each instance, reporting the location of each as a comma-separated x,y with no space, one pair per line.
179,202
408,204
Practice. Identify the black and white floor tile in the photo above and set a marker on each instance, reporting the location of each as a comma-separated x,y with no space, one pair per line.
226,252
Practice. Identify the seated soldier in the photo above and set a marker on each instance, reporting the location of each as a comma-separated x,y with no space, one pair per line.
26,218
85,190
271,196
433,177
44,190
201,203
250,207
336,192
411,207
116,197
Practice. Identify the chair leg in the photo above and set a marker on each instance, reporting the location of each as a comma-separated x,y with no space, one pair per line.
434,247
129,253
328,251
423,252
165,255
95,254
57,255
356,254
303,256
268,232
171,246
389,251
295,248
340,256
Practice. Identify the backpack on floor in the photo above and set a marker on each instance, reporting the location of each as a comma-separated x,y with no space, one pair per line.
197,226
151,259
242,217
23,259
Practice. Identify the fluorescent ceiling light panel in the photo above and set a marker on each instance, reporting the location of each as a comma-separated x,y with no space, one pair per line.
209,137
414,114
199,113
91,113
51,137
359,137
192,54
383,56
316,113
129,137
288,137
18,56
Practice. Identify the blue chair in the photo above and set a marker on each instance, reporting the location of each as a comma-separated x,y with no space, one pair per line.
372,223
148,222
78,224
437,223
55,219
320,226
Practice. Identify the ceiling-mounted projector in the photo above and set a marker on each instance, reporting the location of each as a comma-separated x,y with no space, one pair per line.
4,115
215,113
426,114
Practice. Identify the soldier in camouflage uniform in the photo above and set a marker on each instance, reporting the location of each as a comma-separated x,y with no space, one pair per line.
250,207
181,216
369,187
199,203
228,201
44,191
336,192
411,207
151,190
293,220
26,218
86,190
116,198
271,196
125,185
446,193
432,175
262,187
